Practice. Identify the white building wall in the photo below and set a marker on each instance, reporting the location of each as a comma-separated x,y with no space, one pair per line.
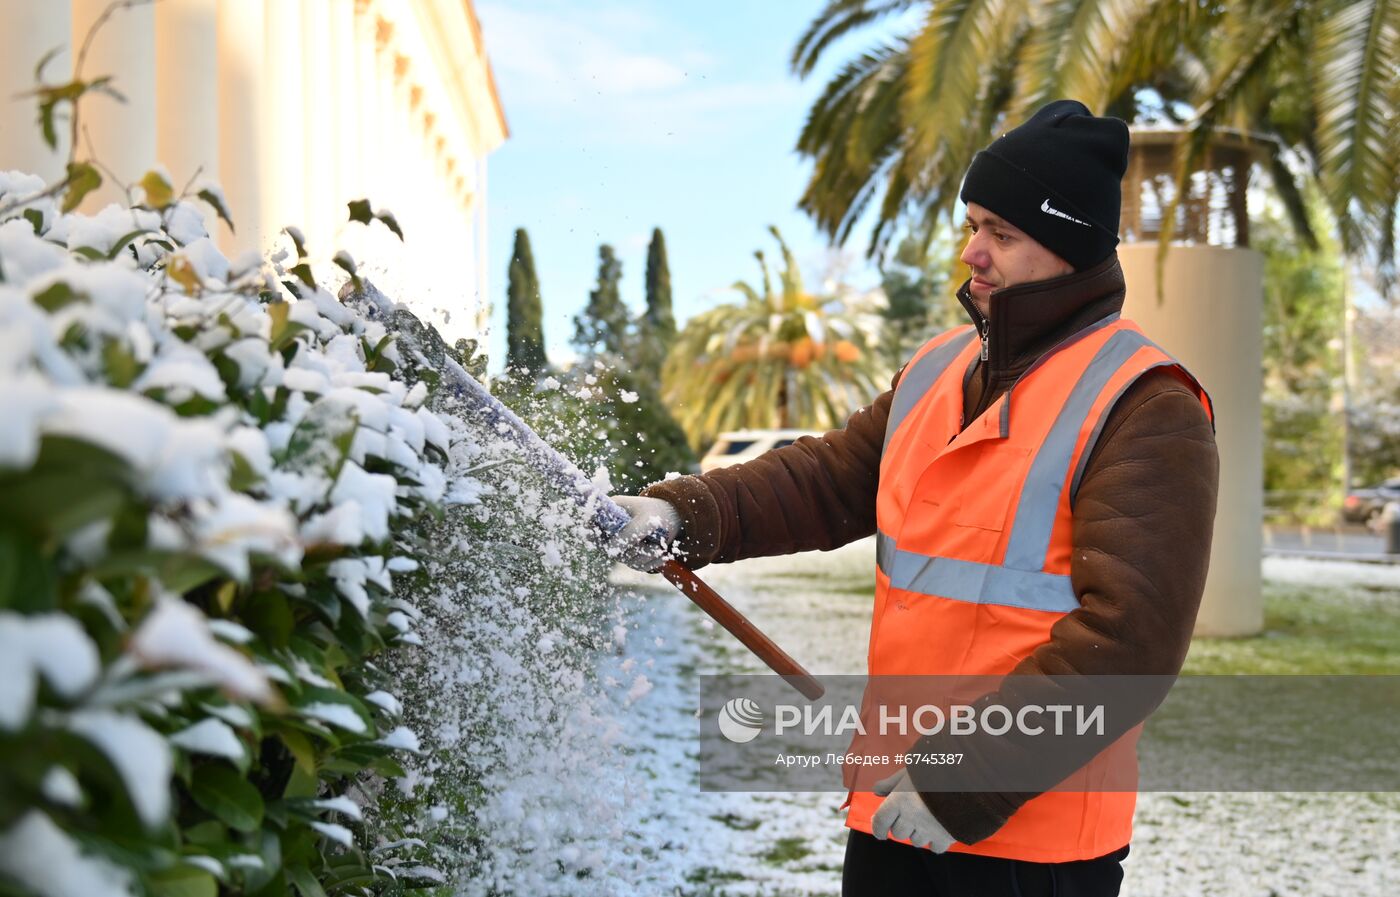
31,30
296,107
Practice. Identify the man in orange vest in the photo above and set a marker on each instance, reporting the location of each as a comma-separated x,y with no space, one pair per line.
1041,483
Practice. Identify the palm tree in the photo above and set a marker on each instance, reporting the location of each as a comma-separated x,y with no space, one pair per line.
902,121
782,358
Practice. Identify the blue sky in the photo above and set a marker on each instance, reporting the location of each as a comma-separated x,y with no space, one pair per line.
636,114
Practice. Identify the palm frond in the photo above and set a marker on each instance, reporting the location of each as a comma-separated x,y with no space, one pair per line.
1253,44
1290,194
837,19
851,133
791,276
1355,54
947,58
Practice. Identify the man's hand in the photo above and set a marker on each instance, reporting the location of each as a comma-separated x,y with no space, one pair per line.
647,538
904,815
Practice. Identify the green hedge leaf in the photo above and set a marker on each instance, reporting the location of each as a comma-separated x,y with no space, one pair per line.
184,881
27,580
159,193
222,791
360,211
306,883
216,201
298,240
269,847
123,241
83,178
56,296
390,222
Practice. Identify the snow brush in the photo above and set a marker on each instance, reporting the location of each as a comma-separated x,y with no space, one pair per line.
608,516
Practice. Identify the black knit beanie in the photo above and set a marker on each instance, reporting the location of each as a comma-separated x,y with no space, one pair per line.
1058,177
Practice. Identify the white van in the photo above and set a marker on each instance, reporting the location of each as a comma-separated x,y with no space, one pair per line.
738,446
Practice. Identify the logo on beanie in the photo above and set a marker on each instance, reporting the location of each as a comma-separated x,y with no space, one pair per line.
1049,210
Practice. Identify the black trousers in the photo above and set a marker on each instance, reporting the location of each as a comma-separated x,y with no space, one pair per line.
876,868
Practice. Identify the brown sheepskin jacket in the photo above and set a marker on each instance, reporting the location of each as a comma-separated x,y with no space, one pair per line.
1142,518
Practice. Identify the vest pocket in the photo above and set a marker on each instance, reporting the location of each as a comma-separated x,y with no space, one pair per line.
985,496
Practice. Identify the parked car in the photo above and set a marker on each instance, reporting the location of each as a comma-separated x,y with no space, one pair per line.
738,446
1365,505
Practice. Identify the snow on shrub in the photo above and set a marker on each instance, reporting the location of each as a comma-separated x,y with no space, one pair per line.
525,783
276,613
207,482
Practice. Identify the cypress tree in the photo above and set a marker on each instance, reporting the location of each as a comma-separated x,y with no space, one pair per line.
660,319
625,369
524,327
602,328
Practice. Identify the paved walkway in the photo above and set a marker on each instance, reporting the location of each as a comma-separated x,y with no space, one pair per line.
1329,543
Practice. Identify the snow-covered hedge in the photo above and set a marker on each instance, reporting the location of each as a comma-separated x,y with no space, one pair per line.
215,488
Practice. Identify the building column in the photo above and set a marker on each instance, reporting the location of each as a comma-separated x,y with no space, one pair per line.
362,161
31,30
381,129
476,215
366,87
245,147
284,87
1211,319
122,136
187,90
345,124
318,114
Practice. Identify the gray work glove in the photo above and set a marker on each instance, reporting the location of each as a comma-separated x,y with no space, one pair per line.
904,815
647,538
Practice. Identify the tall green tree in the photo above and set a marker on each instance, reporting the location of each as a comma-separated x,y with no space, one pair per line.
604,326
782,358
656,328
617,377
661,321
524,312
1302,364
901,122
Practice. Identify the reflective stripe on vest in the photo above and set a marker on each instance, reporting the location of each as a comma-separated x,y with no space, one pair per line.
919,379
1018,580
1040,499
1098,427
971,581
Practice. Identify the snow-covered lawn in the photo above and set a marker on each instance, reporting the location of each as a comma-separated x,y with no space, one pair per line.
817,606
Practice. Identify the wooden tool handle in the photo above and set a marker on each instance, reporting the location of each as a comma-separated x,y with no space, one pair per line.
739,626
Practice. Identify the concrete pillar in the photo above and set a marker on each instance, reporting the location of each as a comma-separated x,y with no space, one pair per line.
245,144
284,86
187,89
1210,319
31,30
319,103
122,135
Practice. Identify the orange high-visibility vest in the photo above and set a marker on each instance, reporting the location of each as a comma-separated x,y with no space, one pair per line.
974,543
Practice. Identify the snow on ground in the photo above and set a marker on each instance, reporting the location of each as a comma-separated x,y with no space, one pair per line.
1309,571
817,607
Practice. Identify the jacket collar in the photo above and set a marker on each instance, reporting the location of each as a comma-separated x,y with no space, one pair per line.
1030,318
